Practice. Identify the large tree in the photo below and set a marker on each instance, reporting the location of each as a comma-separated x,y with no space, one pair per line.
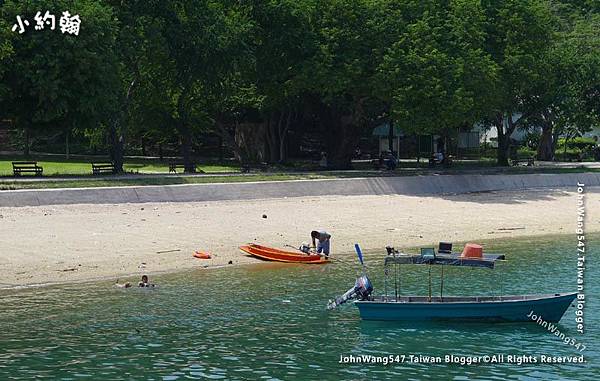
139,48
437,75
519,35
560,100
341,75
285,42
202,40
59,80
6,55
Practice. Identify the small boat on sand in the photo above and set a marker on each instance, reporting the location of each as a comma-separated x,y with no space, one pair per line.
278,255
506,308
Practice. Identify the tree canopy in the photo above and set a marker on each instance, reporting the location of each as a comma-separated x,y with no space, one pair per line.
256,70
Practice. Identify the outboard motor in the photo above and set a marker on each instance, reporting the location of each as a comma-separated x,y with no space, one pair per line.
362,290
304,248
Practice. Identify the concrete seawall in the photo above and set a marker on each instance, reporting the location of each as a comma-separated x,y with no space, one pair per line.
409,185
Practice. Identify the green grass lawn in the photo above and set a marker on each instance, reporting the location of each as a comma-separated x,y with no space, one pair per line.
74,167
55,167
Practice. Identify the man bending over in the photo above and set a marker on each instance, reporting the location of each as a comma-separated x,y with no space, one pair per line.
324,240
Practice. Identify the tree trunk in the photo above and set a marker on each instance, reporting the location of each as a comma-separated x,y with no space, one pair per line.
26,148
116,145
272,135
220,149
555,136
186,147
67,151
342,128
546,145
184,130
283,130
228,139
391,137
117,130
503,151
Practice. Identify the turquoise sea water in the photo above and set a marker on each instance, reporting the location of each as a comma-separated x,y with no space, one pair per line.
269,322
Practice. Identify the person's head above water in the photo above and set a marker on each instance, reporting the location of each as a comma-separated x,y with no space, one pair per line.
144,278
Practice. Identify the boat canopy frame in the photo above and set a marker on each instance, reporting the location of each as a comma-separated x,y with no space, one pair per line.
428,257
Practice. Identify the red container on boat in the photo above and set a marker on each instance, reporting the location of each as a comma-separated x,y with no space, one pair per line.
472,250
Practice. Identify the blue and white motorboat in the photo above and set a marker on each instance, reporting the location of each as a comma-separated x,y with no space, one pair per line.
509,308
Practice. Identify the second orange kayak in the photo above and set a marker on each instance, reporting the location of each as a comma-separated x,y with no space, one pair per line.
272,254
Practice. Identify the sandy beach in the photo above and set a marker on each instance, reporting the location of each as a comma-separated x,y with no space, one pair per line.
67,243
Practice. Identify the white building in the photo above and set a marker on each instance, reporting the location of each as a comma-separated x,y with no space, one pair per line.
489,135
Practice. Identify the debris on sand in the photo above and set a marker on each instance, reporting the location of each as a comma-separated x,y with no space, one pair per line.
167,251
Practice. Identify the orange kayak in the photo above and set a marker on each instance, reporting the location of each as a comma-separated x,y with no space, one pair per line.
272,254
202,255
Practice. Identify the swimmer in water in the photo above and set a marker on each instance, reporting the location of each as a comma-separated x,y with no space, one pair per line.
122,285
144,282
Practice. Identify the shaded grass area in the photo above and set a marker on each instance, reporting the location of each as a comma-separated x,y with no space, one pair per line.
61,167
56,166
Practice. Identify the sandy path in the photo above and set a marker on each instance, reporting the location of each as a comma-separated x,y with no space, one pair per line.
77,242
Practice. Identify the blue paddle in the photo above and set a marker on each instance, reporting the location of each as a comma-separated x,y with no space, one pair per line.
360,256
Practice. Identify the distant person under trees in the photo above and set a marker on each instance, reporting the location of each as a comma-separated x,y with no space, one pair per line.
323,162
388,159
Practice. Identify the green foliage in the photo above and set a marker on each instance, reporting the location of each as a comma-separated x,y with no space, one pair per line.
518,35
525,152
532,140
171,70
280,67
195,68
6,54
345,61
58,79
581,143
436,73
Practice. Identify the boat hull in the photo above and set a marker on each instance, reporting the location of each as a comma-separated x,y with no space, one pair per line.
550,308
277,255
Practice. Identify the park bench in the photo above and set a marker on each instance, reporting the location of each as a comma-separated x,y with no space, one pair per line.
530,162
100,168
174,165
20,167
377,164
